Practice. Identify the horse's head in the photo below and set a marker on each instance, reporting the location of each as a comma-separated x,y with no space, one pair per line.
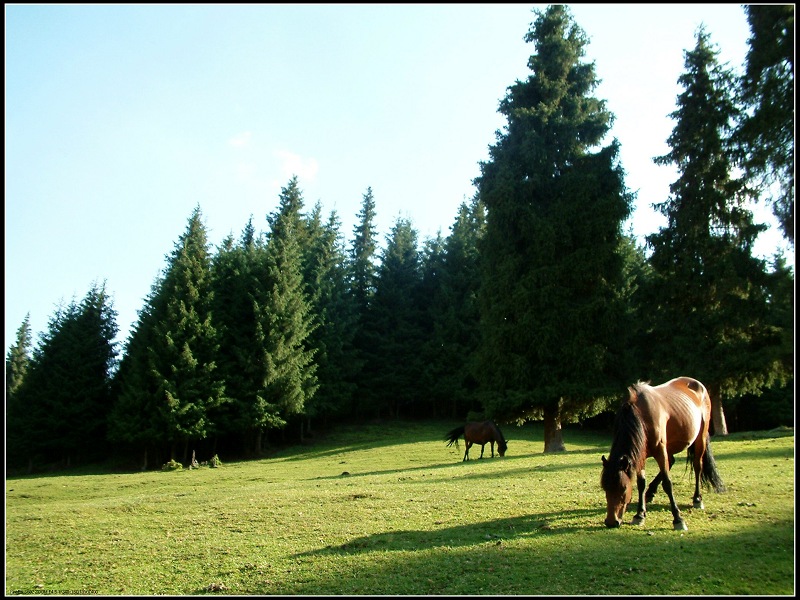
502,446
617,481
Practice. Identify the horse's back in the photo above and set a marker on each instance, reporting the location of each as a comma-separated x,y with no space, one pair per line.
688,385
479,431
681,409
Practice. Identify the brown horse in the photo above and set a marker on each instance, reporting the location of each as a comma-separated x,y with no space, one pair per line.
658,421
478,433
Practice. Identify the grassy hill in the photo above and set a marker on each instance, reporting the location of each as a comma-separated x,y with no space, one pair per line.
388,509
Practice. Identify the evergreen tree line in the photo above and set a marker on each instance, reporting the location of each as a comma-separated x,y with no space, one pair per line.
537,305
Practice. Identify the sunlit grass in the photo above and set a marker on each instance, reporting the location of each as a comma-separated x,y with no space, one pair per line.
388,509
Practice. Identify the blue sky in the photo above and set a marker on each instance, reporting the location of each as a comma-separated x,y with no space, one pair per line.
120,119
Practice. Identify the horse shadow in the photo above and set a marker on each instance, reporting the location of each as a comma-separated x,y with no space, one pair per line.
490,532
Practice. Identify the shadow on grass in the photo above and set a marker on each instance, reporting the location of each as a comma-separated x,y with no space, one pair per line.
469,469
466,535
566,559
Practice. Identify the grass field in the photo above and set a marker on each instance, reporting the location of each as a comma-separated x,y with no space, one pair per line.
388,509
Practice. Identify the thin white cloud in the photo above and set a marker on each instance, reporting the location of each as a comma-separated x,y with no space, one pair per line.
294,164
240,139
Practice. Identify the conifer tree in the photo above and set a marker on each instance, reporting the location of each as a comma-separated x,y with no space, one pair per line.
363,253
284,320
172,386
18,361
709,293
430,290
364,273
66,391
455,337
327,283
236,313
551,271
393,330
135,422
18,358
766,131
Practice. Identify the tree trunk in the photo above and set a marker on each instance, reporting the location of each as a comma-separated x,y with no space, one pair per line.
719,426
553,441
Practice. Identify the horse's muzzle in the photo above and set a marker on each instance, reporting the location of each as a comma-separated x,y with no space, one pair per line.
612,523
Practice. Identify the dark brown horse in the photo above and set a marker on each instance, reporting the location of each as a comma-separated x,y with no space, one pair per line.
478,433
658,421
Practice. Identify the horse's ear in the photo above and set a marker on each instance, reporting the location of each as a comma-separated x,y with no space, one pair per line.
632,394
603,458
624,463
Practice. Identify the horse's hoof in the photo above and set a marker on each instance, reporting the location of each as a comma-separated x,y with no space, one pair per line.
680,526
699,504
637,521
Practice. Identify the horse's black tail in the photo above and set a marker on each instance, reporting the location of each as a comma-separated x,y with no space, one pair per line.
453,436
710,474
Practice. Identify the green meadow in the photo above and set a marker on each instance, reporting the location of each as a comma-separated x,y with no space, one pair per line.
387,508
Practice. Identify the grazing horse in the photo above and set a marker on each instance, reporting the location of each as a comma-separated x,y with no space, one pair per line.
658,421
478,433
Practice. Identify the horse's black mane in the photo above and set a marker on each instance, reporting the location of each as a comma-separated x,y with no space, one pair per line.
630,440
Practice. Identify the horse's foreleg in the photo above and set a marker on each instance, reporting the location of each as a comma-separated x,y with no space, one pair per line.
677,520
653,487
664,461
491,446
641,509
482,447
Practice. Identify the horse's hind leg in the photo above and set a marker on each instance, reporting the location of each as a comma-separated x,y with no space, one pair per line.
466,451
697,463
482,447
491,446
653,487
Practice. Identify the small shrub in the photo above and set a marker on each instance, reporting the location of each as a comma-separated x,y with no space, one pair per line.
172,465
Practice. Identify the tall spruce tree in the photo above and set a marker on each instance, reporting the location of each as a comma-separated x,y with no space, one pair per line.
363,253
18,436
364,273
174,373
237,313
430,289
284,319
709,294
18,358
393,331
636,358
766,131
550,305
135,421
454,340
327,281
66,391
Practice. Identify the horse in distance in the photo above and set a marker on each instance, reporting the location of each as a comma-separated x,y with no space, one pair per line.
478,432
